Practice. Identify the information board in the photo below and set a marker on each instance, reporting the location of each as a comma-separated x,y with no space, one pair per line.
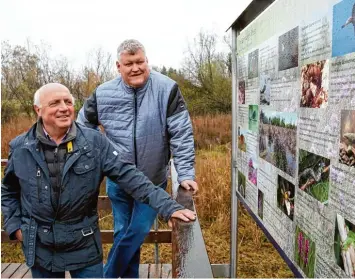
296,130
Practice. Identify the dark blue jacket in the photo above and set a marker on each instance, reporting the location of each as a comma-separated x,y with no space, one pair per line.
69,238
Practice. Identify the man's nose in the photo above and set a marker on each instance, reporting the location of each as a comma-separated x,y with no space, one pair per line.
135,67
62,105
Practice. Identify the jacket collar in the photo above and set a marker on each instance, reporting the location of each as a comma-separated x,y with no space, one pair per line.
45,138
80,146
36,134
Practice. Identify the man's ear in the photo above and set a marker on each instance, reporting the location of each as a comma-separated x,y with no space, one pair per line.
146,59
37,110
118,66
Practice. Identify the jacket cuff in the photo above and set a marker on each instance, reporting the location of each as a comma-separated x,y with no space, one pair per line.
177,207
186,177
11,232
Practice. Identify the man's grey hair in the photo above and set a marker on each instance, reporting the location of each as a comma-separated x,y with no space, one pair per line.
44,89
131,46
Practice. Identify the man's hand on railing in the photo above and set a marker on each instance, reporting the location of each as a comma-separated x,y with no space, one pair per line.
188,184
184,215
18,235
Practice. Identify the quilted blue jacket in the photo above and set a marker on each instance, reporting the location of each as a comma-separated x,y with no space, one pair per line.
146,124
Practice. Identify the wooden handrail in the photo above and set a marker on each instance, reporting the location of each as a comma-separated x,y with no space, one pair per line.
189,257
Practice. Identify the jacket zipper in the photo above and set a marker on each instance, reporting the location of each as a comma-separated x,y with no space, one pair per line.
39,184
135,127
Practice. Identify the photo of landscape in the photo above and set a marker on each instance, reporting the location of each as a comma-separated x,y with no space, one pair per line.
277,139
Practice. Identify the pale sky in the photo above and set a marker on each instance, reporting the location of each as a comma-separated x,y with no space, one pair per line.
74,27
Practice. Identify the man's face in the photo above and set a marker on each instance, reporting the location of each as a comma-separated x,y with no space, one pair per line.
133,68
56,110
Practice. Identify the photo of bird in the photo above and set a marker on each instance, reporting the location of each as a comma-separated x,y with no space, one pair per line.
343,31
351,19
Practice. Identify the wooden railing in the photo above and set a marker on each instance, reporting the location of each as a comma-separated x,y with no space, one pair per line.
189,257
189,254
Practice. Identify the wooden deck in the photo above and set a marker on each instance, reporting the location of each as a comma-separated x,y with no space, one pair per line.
17,270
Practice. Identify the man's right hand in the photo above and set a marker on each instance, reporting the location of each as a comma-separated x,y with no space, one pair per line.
184,215
18,235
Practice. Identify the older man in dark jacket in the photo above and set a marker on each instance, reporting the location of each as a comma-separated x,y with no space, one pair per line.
51,187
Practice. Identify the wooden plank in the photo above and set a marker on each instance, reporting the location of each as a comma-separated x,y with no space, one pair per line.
21,271
155,271
11,269
189,254
104,203
166,271
28,274
4,266
161,236
144,271
18,270
3,162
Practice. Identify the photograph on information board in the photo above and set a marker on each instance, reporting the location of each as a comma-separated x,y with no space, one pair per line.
277,139
313,175
343,28
347,138
344,245
253,118
305,252
288,50
241,184
286,196
265,85
253,64
253,169
242,139
260,204
315,83
241,92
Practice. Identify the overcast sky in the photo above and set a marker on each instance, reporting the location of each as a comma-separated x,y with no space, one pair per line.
73,27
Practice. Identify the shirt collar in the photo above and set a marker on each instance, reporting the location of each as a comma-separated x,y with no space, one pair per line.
51,139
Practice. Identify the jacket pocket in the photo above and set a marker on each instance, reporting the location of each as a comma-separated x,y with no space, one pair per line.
81,239
83,167
83,182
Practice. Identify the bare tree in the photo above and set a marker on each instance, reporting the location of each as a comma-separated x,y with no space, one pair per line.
206,68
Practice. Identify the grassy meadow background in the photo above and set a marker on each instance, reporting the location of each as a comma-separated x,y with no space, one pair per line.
256,255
